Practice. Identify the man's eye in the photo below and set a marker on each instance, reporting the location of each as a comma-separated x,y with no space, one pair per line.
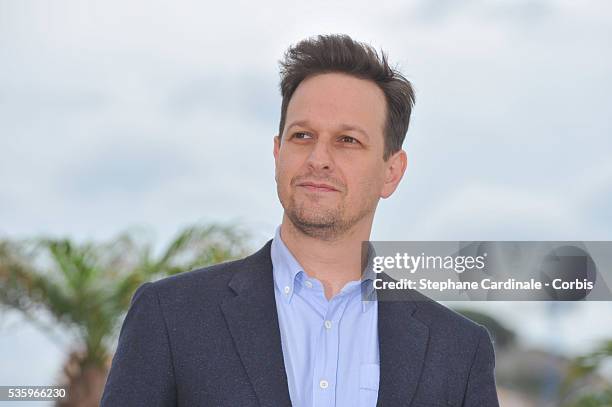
349,140
301,135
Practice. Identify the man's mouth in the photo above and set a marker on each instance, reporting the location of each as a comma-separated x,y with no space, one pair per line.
317,187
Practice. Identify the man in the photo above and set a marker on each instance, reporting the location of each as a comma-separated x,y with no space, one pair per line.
287,325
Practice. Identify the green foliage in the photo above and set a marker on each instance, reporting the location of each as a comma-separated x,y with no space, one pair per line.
603,399
88,287
580,387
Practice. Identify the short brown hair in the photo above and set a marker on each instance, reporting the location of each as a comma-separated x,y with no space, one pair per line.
340,53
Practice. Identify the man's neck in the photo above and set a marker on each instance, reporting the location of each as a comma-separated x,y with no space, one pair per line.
333,262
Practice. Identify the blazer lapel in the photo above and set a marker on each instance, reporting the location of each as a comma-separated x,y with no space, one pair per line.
402,344
253,323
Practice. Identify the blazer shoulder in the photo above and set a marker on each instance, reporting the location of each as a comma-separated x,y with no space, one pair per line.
446,320
212,275
213,279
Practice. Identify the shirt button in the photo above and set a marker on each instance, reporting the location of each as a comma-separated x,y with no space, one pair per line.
328,324
323,384
287,289
308,284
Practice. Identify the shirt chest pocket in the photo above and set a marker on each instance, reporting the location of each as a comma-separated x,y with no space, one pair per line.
369,376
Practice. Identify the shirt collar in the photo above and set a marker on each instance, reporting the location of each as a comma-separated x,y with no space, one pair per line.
286,271
285,267
368,293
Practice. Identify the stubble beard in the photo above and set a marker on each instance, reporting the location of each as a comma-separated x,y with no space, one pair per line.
322,223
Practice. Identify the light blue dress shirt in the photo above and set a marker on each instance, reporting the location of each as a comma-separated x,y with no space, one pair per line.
330,348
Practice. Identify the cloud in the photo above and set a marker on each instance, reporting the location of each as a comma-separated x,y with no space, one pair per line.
116,108
250,96
125,172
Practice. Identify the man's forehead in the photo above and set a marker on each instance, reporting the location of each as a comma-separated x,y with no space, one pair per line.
338,84
338,100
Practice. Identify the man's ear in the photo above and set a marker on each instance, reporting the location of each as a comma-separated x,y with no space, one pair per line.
276,146
394,171
275,151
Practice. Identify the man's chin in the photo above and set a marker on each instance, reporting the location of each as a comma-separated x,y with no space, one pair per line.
313,220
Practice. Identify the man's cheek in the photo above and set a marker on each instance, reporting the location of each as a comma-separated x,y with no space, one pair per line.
279,173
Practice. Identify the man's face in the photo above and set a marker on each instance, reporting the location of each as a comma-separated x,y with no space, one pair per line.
330,171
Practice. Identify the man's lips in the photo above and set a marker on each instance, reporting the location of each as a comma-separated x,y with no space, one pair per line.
313,186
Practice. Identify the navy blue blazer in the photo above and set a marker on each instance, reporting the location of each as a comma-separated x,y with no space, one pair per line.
210,337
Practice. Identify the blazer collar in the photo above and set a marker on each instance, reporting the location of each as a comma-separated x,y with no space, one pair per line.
253,323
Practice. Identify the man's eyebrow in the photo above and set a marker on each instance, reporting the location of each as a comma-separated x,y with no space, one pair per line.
342,127
352,127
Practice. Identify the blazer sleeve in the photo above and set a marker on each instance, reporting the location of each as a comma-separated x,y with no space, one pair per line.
481,390
142,373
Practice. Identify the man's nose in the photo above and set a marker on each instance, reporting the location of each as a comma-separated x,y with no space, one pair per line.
320,157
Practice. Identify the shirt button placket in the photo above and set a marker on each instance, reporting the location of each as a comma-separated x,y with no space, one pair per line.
327,357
